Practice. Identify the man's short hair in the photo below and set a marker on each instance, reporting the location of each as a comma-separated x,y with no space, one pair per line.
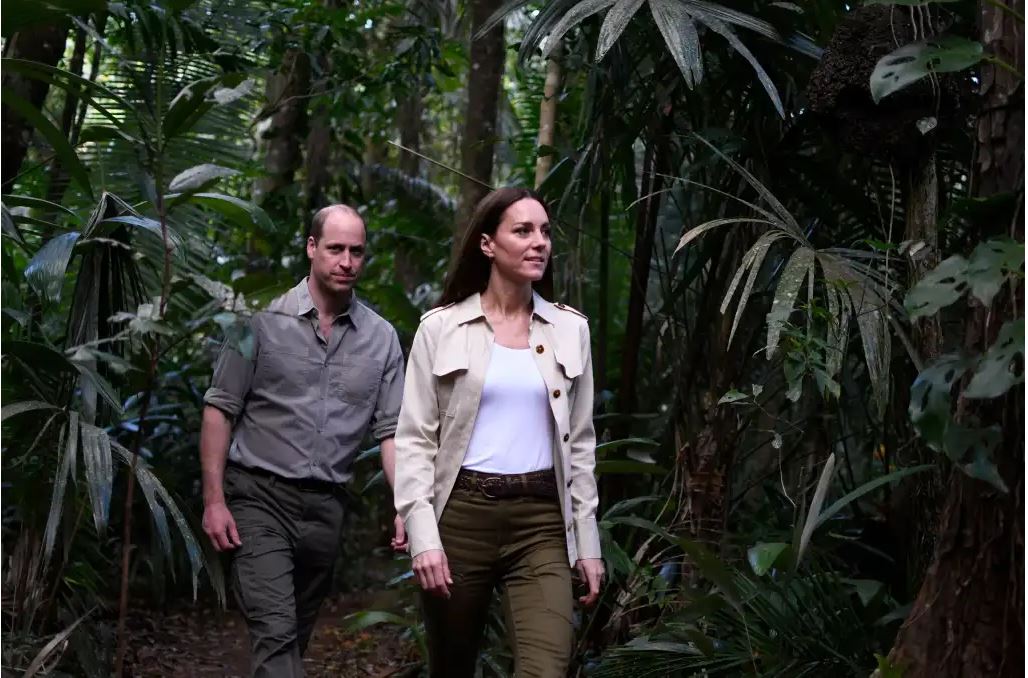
322,215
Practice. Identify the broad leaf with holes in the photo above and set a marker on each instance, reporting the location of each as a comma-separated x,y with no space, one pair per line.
910,63
1002,366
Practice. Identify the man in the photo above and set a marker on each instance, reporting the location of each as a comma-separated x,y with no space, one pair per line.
324,368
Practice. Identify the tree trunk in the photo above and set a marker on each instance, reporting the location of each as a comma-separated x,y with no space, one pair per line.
408,120
917,502
286,91
58,175
45,45
642,253
486,56
318,167
548,115
968,619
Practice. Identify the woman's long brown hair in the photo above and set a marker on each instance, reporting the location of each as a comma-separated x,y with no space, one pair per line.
471,272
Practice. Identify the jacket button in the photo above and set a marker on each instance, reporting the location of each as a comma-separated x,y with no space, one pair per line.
539,348
569,483
556,393
559,305
566,437
569,526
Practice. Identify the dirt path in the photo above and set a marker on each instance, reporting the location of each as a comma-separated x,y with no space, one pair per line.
205,642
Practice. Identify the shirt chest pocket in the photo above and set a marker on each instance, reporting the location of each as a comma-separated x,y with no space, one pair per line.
284,372
356,380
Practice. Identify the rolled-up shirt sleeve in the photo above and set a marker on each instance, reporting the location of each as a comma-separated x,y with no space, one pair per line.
233,376
390,393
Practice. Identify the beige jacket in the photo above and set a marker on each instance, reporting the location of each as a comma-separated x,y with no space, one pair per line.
447,366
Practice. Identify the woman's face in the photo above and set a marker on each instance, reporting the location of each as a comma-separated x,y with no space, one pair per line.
520,248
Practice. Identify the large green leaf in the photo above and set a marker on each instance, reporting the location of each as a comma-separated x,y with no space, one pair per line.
908,64
199,177
242,213
55,137
939,288
614,25
867,488
990,264
969,447
762,557
814,510
46,271
187,107
1002,366
753,260
69,452
580,12
681,37
722,29
14,409
162,504
99,468
88,90
801,265
359,621
930,398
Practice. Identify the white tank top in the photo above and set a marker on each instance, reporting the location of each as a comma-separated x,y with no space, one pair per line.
514,428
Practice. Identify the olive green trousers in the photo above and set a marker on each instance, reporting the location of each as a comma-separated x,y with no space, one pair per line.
283,571
516,545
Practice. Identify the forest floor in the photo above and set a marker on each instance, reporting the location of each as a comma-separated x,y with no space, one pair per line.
204,642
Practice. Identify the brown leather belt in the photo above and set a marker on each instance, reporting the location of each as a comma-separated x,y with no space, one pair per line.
542,484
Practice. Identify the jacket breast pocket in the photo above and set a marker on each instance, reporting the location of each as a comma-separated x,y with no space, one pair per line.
569,362
356,380
447,390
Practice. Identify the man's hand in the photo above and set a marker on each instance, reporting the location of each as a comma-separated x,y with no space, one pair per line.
220,526
399,540
591,572
433,572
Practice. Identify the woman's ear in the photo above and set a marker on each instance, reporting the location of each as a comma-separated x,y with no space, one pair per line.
486,245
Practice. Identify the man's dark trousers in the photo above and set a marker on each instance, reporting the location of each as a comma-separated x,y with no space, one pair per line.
283,571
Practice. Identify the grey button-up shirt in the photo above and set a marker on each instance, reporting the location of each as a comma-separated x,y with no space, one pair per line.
302,404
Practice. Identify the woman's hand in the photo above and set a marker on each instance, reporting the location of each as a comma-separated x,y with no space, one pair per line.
433,572
591,572
399,540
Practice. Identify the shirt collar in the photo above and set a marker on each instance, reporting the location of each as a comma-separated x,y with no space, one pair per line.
471,309
305,304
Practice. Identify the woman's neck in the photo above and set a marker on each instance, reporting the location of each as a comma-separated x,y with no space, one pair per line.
506,298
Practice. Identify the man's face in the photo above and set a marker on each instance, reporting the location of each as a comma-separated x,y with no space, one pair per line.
337,258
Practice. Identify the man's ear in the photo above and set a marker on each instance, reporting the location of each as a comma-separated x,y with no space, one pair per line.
312,245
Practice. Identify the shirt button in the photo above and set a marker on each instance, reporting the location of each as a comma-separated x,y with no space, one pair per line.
566,437
556,393
539,348
569,526
559,305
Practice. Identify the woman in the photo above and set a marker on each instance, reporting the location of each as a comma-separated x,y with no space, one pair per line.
495,448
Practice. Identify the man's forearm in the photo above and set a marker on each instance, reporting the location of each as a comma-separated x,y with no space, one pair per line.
388,451
215,435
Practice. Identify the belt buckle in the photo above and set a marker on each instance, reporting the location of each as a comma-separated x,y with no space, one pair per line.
483,486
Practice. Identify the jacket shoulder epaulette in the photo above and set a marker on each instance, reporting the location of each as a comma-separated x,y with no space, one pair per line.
564,307
433,311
